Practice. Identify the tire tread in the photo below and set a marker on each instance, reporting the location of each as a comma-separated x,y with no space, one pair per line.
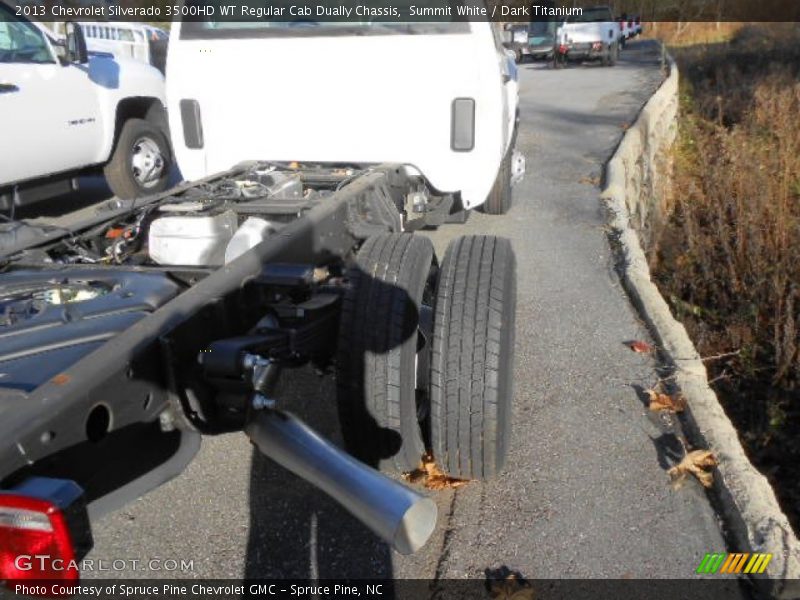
472,355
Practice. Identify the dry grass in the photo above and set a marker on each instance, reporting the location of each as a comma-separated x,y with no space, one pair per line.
729,258
678,35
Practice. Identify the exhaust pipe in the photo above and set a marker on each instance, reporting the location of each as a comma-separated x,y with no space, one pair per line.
397,514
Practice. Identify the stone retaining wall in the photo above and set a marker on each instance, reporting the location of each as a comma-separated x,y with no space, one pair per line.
637,197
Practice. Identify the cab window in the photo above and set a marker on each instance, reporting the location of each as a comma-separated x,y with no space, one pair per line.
21,42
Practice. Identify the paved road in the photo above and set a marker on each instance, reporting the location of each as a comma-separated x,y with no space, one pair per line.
585,493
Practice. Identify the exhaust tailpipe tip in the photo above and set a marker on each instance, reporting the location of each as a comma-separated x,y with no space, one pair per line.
402,517
416,526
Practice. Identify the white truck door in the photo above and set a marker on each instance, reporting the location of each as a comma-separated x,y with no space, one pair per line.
49,112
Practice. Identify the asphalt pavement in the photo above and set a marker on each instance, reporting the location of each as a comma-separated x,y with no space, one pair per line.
585,493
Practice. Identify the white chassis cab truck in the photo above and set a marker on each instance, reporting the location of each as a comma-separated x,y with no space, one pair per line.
441,98
64,112
189,304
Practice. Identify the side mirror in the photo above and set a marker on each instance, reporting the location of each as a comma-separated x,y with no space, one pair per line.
60,48
76,44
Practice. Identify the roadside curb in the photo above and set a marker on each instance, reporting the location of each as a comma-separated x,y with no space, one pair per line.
749,505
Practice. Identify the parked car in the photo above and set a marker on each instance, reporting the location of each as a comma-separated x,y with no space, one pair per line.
63,113
441,98
592,35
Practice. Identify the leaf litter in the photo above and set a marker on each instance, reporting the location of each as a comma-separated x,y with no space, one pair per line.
431,476
639,346
698,463
513,587
659,402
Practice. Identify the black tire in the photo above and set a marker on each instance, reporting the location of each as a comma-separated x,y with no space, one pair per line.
499,200
376,362
120,172
472,357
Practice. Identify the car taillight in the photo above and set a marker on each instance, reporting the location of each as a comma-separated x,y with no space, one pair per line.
44,530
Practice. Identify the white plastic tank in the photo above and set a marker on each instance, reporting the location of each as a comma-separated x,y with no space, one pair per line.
252,232
191,240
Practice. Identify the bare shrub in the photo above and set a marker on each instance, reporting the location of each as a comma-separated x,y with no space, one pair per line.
729,257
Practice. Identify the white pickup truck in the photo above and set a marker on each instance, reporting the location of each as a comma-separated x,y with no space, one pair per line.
64,112
592,35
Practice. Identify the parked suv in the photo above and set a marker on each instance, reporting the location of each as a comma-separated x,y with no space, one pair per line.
64,112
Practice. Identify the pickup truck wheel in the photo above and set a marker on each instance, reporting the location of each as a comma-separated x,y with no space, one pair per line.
378,343
499,200
472,357
141,161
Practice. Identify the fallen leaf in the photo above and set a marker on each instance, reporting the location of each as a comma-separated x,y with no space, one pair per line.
639,346
664,402
431,476
698,463
511,588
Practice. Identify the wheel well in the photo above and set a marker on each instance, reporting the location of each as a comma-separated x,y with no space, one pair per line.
149,109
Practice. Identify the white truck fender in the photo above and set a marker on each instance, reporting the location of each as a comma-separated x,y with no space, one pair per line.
119,80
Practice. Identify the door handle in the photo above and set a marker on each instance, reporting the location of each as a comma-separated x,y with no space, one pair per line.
7,88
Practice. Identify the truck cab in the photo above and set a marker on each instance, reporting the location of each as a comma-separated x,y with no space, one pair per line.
440,98
65,112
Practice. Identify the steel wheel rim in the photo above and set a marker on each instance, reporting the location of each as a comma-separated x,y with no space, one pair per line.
147,162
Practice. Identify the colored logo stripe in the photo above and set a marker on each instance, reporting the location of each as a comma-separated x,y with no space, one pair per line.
734,563
710,563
